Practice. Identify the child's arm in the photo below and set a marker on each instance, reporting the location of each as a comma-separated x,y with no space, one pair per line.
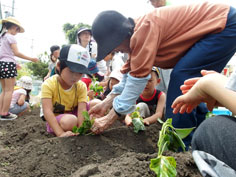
47,76
210,89
159,110
20,55
81,108
21,100
50,117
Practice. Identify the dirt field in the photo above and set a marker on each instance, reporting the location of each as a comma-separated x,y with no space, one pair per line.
27,150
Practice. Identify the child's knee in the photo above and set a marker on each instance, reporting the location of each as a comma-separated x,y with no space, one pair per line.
68,121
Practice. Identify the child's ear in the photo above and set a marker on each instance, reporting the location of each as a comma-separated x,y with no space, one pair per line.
158,81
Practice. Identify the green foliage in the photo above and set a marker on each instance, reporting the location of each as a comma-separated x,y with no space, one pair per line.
184,132
164,165
137,120
86,125
39,69
209,114
98,89
168,140
24,71
71,31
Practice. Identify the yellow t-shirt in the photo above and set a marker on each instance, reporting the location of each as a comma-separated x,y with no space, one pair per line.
70,98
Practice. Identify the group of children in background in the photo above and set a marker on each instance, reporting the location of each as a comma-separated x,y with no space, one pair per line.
66,89
8,71
68,93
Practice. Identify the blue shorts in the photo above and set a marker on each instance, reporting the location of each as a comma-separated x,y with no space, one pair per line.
17,109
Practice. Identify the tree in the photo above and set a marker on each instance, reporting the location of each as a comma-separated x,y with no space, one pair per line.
24,71
39,69
71,31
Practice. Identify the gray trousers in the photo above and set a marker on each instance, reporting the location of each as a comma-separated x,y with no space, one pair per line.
217,136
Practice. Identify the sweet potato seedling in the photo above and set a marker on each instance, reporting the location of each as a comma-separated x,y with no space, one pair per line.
137,121
86,125
169,139
98,89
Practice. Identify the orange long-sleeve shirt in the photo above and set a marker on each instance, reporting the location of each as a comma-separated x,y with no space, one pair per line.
163,36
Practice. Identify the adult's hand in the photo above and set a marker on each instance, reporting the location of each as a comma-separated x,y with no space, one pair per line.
103,123
101,108
189,83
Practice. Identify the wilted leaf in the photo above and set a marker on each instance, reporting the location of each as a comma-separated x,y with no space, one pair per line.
184,132
138,124
164,166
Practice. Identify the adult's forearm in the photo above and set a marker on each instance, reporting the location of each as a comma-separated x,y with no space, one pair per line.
125,103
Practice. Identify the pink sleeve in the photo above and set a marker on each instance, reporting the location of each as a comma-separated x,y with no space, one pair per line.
11,39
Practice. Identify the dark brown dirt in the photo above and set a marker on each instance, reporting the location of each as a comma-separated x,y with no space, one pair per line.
27,150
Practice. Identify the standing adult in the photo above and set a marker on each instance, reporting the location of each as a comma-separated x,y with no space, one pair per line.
84,39
187,38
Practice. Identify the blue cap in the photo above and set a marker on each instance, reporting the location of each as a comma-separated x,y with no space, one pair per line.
92,67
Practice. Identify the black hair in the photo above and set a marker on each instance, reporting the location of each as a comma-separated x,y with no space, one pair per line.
63,65
27,97
52,49
6,25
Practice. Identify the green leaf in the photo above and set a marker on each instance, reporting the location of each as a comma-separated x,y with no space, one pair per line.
184,132
138,124
209,114
74,129
160,121
164,166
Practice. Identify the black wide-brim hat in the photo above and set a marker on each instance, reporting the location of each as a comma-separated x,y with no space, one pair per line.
110,29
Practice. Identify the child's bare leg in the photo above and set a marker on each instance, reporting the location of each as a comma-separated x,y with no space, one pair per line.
1,95
8,88
93,102
68,121
23,112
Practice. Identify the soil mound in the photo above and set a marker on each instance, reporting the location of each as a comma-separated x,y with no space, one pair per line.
27,150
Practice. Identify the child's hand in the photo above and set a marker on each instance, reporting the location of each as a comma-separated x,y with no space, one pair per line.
67,133
128,121
35,60
91,94
146,122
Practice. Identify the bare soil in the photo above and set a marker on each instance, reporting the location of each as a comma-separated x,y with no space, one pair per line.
27,150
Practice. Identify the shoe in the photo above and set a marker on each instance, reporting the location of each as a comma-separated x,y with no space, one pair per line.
9,116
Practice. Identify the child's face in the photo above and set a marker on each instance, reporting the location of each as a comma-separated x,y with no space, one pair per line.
152,83
158,3
113,82
56,53
14,29
85,36
70,77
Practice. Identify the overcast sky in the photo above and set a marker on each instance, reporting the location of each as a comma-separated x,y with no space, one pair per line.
43,19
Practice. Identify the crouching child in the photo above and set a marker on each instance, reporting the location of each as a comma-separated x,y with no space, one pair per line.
64,95
151,102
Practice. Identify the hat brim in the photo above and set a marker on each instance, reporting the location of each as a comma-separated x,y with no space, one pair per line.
103,51
77,68
86,29
22,30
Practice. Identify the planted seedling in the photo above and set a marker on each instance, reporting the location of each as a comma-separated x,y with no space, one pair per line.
137,121
209,114
84,129
98,89
169,139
